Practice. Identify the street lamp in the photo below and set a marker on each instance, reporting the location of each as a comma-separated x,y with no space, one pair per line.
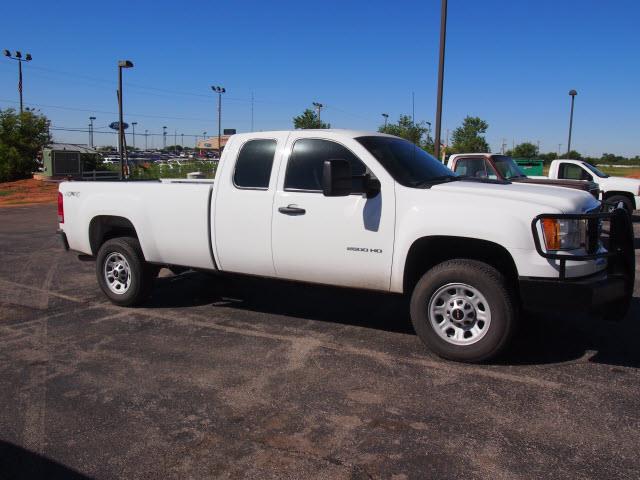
573,94
319,107
91,119
386,118
133,126
443,38
164,138
121,64
18,57
146,137
219,91
182,140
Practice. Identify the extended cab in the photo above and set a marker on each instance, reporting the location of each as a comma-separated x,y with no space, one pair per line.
502,167
615,190
363,210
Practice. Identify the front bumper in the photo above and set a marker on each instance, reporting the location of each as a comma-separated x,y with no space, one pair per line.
612,287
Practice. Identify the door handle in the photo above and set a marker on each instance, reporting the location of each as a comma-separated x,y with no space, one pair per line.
292,210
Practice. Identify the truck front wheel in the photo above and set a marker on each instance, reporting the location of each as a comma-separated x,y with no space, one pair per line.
463,310
123,275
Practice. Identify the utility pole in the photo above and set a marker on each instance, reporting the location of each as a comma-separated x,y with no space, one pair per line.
164,138
413,107
219,91
319,107
146,138
91,119
504,145
386,118
18,57
182,140
573,94
133,129
175,141
252,111
538,143
559,149
443,38
121,141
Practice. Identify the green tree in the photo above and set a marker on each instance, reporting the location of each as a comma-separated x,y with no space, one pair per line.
573,155
407,129
548,157
525,150
468,137
309,119
22,137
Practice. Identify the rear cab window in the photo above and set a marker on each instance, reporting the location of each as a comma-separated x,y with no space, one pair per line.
475,167
254,163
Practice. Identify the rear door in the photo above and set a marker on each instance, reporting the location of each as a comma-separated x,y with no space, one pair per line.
243,207
344,241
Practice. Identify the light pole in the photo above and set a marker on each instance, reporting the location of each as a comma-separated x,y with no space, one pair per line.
164,138
428,131
443,38
146,137
219,91
319,106
175,142
573,94
386,118
133,127
91,119
121,64
19,59
182,140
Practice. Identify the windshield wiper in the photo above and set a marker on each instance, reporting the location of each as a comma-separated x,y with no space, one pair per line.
440,179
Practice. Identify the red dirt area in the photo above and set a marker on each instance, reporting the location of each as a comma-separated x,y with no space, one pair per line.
26,192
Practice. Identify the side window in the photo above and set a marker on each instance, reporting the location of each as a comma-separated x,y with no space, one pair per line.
471,167
304,170
571,171
253,166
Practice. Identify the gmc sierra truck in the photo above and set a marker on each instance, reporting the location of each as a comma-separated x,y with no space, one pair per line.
615,190
502,167
363,210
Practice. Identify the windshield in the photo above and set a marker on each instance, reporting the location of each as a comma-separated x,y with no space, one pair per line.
507,167
408,164
595,170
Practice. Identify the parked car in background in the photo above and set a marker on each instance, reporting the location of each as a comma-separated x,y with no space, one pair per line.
615,190
502,167
363,210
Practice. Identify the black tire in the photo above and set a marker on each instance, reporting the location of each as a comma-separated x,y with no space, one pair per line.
614,200
140,276
491,285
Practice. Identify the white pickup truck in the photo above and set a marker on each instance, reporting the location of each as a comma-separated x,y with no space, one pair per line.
362,210
613,189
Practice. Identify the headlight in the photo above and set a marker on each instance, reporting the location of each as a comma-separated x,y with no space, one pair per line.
564,234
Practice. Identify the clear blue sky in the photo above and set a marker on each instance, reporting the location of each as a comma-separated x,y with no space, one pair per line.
509,62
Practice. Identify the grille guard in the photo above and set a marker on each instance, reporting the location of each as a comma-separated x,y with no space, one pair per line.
620,243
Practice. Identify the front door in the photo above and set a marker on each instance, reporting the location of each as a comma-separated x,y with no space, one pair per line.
345,241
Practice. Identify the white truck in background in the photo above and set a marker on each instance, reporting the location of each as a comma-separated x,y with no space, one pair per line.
363,210
614,190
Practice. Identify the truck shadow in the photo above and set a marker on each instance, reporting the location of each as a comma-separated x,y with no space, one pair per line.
17,463
541,340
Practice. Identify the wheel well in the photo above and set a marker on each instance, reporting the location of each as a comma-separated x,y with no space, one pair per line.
614,193
427,252
105,227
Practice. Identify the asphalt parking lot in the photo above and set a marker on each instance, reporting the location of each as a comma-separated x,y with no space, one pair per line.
246,378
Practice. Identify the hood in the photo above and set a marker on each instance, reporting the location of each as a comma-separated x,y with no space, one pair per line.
629,184
577,184
550,198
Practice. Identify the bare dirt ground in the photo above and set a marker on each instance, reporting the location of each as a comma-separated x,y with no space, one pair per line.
29,191
241,378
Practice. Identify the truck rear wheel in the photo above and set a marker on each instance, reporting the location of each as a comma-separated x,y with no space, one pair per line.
123,275
463,311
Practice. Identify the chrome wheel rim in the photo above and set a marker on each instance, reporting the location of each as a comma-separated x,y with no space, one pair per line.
117,273
459,314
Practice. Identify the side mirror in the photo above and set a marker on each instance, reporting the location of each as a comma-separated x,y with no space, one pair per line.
336,178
